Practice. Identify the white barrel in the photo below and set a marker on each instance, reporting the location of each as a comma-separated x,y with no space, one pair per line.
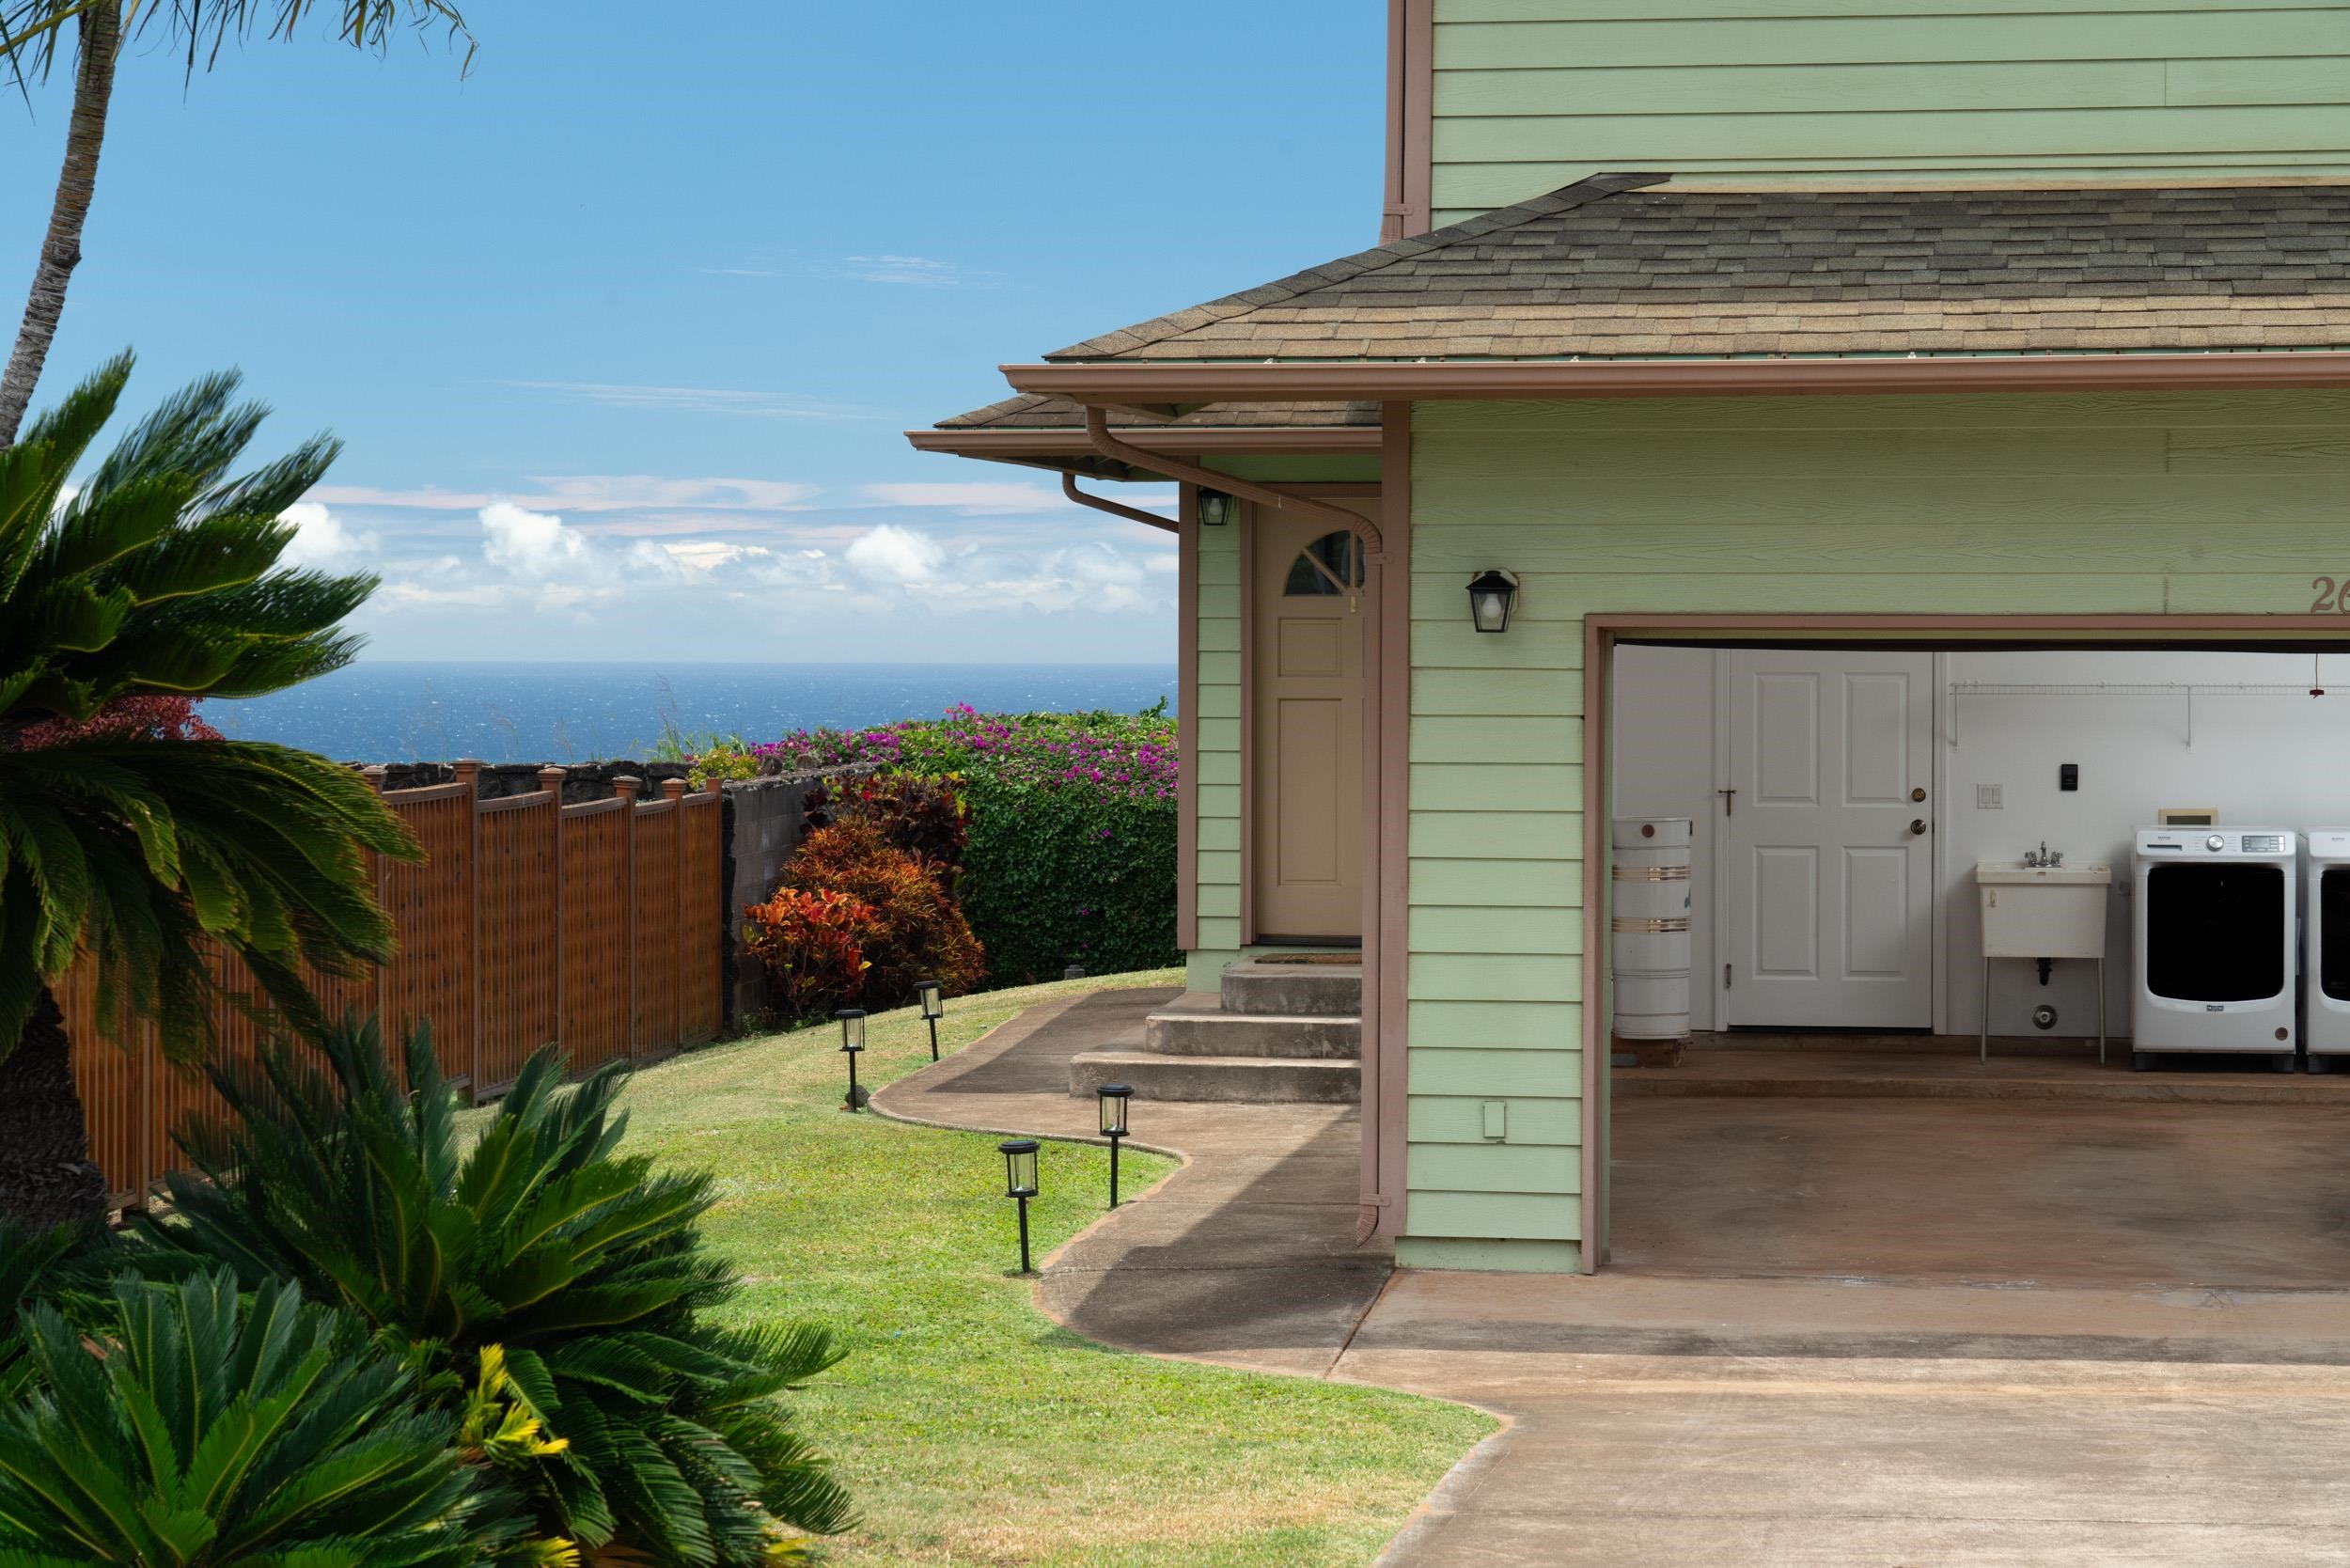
1650,940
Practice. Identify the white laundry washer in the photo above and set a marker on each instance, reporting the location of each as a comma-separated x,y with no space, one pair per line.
2216,943
2326,948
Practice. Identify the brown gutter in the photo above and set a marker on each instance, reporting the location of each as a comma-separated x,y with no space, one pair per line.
1098,432
1070,441
1179,387
1116,508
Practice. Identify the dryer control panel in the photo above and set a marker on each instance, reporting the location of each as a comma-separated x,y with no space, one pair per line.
2187,843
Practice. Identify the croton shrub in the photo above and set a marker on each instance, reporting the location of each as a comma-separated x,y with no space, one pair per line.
915,933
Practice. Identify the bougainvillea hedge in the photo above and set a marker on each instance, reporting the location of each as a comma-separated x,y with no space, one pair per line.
1071,858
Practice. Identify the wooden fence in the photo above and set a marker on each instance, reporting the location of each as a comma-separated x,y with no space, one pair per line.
598,925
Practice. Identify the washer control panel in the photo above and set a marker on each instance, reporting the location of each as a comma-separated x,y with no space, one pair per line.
2258,843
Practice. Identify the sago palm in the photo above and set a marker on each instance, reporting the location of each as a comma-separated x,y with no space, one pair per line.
583,1263
188,1429
159,575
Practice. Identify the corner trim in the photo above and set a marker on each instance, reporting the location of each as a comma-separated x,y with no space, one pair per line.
1187,719
1388,1042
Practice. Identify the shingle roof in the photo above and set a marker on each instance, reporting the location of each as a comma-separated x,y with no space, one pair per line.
1029,411
1618,266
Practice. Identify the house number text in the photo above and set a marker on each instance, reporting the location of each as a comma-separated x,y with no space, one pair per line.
2331,598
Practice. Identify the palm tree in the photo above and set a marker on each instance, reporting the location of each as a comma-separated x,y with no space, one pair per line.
31,32
160,576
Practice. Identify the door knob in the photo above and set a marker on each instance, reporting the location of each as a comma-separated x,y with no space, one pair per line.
1918,793
1916,824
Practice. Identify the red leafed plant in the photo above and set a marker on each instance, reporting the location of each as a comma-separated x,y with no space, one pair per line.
810,943
918,933
145,718
921,814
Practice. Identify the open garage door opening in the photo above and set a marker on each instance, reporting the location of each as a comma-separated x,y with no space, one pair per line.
1999,952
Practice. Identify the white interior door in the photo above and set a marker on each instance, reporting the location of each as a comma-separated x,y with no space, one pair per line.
1828,874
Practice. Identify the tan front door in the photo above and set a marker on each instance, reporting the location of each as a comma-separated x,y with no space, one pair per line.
1308,751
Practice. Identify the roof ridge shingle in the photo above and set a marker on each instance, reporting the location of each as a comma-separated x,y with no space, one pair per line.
1566,198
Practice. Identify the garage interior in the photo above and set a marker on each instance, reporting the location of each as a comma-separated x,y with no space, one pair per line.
1839,1101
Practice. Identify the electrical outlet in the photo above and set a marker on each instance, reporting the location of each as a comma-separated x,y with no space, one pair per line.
1987,797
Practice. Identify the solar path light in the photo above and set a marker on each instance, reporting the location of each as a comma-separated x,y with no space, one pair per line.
851,1042
933,999
1020,1184
1113,1098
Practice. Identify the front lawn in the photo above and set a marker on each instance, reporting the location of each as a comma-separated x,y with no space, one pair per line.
969,1427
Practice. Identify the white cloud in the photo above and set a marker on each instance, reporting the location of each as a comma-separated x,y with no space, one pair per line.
696,400
530,543
1003,499
625,491
708,555
917,272
324,540
894,555
978,498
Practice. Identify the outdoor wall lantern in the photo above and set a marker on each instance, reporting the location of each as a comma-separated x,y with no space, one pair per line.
1216,508
851,1042
933,999
1492,592
1020,1186
1114,1098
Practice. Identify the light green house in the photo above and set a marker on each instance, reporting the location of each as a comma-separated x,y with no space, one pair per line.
1717,323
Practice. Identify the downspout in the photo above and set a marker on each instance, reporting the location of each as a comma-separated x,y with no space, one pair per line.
1116,508
1098,432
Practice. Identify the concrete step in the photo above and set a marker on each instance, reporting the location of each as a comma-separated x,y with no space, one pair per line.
1186,1033
1271,986
1256,1080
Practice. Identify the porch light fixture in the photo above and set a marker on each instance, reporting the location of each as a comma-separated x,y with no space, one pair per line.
1491,593
1216,508
1020,1186
933,999
1113,1098
851,1042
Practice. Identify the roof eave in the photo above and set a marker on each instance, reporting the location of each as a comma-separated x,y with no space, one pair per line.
1068,450
1168,386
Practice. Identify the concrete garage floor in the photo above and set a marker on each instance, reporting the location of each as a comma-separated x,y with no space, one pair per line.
2169,1383
2097,1195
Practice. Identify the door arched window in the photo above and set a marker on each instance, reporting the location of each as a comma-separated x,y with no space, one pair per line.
1330,566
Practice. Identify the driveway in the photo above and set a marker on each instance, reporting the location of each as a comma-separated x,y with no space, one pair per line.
1663,1419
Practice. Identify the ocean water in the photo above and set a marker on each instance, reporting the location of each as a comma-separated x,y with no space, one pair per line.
395,712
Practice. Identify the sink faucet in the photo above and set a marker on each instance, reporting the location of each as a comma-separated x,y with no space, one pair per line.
2043,857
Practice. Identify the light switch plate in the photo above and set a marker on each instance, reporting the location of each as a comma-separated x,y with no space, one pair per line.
1987,797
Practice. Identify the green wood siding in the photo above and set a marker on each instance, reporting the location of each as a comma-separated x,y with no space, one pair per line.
1217,763
1931,505
1531,94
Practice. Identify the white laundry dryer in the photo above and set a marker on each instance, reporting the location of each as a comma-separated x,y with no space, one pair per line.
2326,948
2216,942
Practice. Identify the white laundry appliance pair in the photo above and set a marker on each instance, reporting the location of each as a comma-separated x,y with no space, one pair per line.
2325,966
2218,943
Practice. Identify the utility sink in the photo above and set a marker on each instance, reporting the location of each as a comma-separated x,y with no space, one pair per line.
2042,911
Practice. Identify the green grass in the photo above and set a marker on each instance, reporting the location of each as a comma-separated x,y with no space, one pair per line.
971,1429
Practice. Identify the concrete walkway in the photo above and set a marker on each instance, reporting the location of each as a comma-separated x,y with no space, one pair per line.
1690,1421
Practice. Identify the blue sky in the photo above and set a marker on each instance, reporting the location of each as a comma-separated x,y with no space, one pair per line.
622,329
